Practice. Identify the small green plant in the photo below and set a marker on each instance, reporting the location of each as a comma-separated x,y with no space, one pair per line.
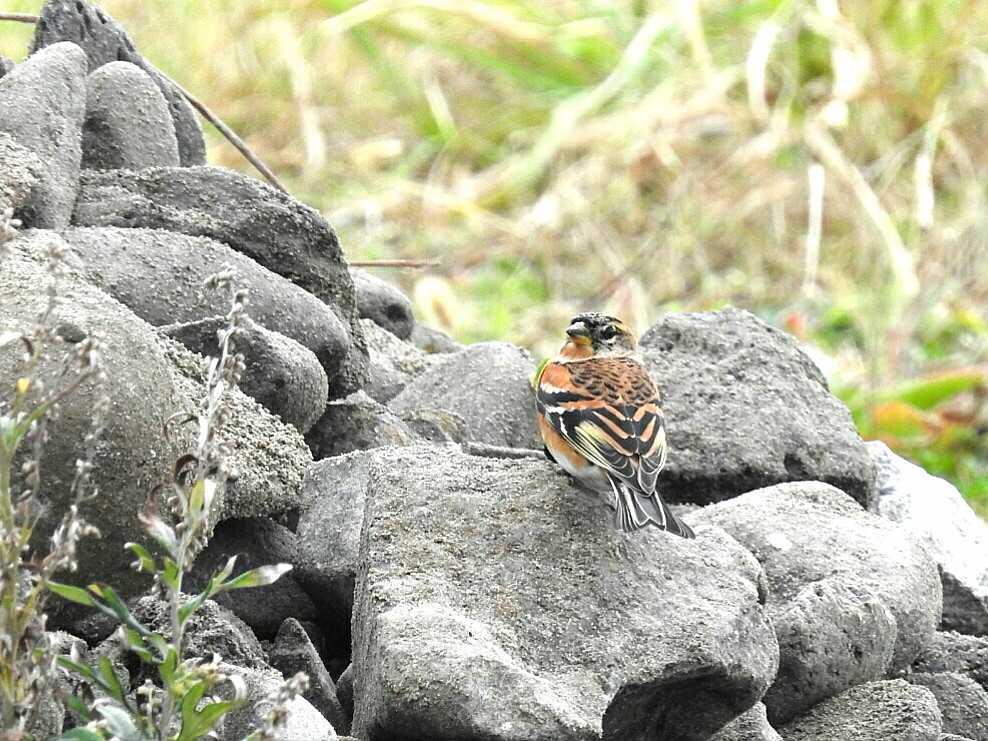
185,705
27,663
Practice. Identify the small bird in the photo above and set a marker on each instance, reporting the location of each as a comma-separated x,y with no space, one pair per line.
600,419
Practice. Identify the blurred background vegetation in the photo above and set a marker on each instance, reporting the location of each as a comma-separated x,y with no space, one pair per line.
820,163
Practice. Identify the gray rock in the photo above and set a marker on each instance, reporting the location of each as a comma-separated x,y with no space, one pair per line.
751,725
746,408
302,723
128,124
804,532
344,690
488,385
125,262
356,423
383,303
393,363
952,652
877,711
293,652
437,426
133,454
430,340
269,226
268,456
211,630
334,495
105,41
21,174
937,516
281,375
6,65
962,701
832,636
943,737
42,105
483,578
256,542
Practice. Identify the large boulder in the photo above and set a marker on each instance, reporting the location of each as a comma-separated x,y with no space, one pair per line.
124,262
280,374
134,454
962,701
267,225
935,513
495,601
746,408
128,124
488,385
42,105
832,636
805,532
393,362
877,711
104,41
383,304
950,651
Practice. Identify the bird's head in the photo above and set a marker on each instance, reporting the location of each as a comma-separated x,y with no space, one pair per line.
597,334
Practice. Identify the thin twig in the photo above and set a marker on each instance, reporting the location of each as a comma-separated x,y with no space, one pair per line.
393,263
19,17
231,137
500,451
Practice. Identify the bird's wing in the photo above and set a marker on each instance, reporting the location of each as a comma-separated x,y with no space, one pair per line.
608,409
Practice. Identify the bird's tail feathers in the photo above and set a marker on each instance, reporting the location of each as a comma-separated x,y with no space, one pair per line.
635,510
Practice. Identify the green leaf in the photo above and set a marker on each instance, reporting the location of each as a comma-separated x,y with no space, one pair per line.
926,393
258,577
72,594
146,563
197,498
166,669
119,723
112,682
81,709
137,644
170,574
186,610
205,720
76,668
190,729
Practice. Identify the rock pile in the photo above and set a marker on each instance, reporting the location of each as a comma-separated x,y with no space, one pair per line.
833,591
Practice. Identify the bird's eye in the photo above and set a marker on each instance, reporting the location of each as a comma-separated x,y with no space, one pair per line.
608,332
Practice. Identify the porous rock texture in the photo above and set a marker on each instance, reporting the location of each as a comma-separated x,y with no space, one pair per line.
104,41
483,579
746,408
805,532
962,702
125,262
21,172
488,385
128,124
272,228
356,423
42,105
832,635
950,651
751,725
393,363
877,711
937,515
280,374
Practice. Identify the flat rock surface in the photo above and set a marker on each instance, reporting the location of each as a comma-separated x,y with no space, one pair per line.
951,651
962,701
805,532
483,578
746,408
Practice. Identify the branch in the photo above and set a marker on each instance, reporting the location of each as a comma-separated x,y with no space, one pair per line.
393,263
19,17
498,451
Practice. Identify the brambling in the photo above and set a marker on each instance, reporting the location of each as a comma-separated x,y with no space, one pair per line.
600,419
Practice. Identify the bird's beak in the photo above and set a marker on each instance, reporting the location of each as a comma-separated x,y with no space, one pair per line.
579,333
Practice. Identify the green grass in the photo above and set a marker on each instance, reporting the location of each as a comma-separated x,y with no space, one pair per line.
559,156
